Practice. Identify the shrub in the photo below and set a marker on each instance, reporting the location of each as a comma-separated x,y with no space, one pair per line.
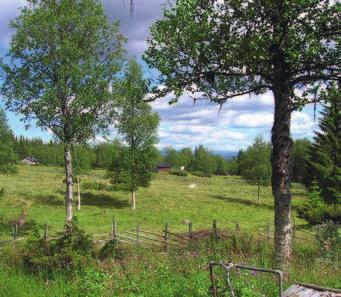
111,250
179,172
2,192
96,186
333,213
201,173
314,209
66,254
329,239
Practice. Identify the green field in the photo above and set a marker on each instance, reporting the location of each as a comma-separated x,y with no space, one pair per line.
39,193
36,193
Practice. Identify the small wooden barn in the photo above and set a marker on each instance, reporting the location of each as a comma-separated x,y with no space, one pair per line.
307,290
30,161
163,167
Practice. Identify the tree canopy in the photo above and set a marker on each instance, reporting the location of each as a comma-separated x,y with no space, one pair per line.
63,61
225,49
7,153
325,154
138,126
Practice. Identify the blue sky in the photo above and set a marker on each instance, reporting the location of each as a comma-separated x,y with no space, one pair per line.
185,123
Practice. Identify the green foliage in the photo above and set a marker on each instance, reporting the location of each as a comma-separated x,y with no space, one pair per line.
173,158
7,154
105,152
179,172
134,163
325,155
233,166
299,165
220,48
200,173
83,159
69,253
314,209
112,250
255,162
202,162
330,240
63,56
93,283
220,166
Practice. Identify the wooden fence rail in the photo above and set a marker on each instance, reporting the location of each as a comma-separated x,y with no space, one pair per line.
167,239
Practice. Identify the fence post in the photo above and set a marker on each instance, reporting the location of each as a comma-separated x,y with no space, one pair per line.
215,232
237,228
113,229
166,237
294,229
46,232
190,229
268,231
13,232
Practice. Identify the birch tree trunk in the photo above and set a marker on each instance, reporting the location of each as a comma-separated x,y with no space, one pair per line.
281,176
69,183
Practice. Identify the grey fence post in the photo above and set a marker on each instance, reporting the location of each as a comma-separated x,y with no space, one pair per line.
268,231
166,237
113,229
215,232
46,232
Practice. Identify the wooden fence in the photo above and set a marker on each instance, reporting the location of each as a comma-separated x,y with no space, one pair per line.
167,239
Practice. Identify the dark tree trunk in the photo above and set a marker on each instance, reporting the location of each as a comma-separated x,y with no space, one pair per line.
69,183
281,176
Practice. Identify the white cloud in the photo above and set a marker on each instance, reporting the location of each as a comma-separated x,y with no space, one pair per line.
255,120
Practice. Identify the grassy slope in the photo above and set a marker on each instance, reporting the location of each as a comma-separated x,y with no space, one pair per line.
40,191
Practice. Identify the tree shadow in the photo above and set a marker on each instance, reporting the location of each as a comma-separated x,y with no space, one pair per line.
243,202
45,199
102,200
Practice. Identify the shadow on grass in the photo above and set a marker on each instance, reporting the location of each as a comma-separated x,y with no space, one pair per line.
103,200
243,202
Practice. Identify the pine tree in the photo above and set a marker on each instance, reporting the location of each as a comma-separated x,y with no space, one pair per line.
7,154
325,156
221,166
203,161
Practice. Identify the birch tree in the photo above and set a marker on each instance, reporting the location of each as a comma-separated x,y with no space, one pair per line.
62,58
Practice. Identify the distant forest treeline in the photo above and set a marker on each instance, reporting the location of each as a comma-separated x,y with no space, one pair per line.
85,156
200,160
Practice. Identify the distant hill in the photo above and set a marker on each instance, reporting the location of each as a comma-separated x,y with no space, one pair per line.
226,154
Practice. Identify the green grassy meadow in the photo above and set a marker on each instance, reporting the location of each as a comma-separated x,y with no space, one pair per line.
39,193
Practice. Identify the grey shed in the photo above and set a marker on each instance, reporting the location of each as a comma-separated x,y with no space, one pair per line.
306,290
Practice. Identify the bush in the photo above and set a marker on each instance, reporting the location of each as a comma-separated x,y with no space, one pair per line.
333,213
66,254
111,250
96,186
329,239
201,174
179,172
2,192
314,209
